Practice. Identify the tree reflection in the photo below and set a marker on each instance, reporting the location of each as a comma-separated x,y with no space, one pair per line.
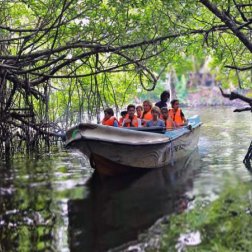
117,209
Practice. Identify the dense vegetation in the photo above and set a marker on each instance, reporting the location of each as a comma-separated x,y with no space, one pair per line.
61,60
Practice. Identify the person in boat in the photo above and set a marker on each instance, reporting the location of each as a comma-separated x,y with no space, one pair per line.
164,97
131,119
155,121
139,111
169,124
109,118
146,116
176,114
123,115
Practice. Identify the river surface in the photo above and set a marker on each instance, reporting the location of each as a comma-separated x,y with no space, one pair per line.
54,202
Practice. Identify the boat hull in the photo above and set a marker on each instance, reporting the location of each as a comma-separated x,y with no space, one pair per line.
113,157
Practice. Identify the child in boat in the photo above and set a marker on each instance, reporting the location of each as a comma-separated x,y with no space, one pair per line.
146,116
156,121
123,115
139,111
169,124
131,119
109,118
176,114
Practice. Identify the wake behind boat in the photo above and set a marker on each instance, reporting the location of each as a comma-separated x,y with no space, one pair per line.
113,150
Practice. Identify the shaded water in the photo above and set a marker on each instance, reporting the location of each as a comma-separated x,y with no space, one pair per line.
55,202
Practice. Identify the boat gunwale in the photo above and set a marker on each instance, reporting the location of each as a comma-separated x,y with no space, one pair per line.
169,140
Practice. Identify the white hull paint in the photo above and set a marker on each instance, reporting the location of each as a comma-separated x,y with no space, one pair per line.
105,145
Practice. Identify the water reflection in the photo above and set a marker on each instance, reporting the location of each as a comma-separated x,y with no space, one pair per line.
46,204
117,209
33,200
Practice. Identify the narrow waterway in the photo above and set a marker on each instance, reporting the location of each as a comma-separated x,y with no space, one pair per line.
54,202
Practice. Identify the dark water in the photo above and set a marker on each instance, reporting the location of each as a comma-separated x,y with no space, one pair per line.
55,202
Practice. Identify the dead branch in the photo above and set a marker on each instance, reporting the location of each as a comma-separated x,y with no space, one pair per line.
243,109
233,96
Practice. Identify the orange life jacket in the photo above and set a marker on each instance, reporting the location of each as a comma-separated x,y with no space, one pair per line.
110,121
134,121
147,116
176,116
169,124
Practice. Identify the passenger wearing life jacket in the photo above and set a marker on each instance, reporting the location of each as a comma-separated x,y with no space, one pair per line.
169,124
139,111
146,116
176,114
155,121
109,118
123,115
131,119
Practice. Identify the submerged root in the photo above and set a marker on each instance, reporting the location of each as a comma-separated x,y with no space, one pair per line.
248,158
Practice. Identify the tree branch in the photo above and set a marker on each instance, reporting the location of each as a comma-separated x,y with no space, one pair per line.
233,96
230,23
239,68
243,109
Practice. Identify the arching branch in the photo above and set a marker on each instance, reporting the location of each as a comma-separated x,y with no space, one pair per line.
229,23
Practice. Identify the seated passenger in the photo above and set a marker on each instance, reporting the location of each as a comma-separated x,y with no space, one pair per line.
176,114
123,114
156,121
146,116
139,110
169,124
131,119
109,118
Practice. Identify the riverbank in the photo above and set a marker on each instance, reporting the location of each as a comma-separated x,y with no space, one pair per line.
211,96
222,225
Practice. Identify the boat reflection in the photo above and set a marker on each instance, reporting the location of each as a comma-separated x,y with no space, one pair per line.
117,209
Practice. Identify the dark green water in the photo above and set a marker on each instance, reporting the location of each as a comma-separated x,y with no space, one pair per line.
54,202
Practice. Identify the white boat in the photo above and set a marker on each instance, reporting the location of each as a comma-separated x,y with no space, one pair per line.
113,150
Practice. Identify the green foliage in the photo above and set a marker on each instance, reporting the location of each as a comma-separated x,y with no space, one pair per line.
224,225
87,78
